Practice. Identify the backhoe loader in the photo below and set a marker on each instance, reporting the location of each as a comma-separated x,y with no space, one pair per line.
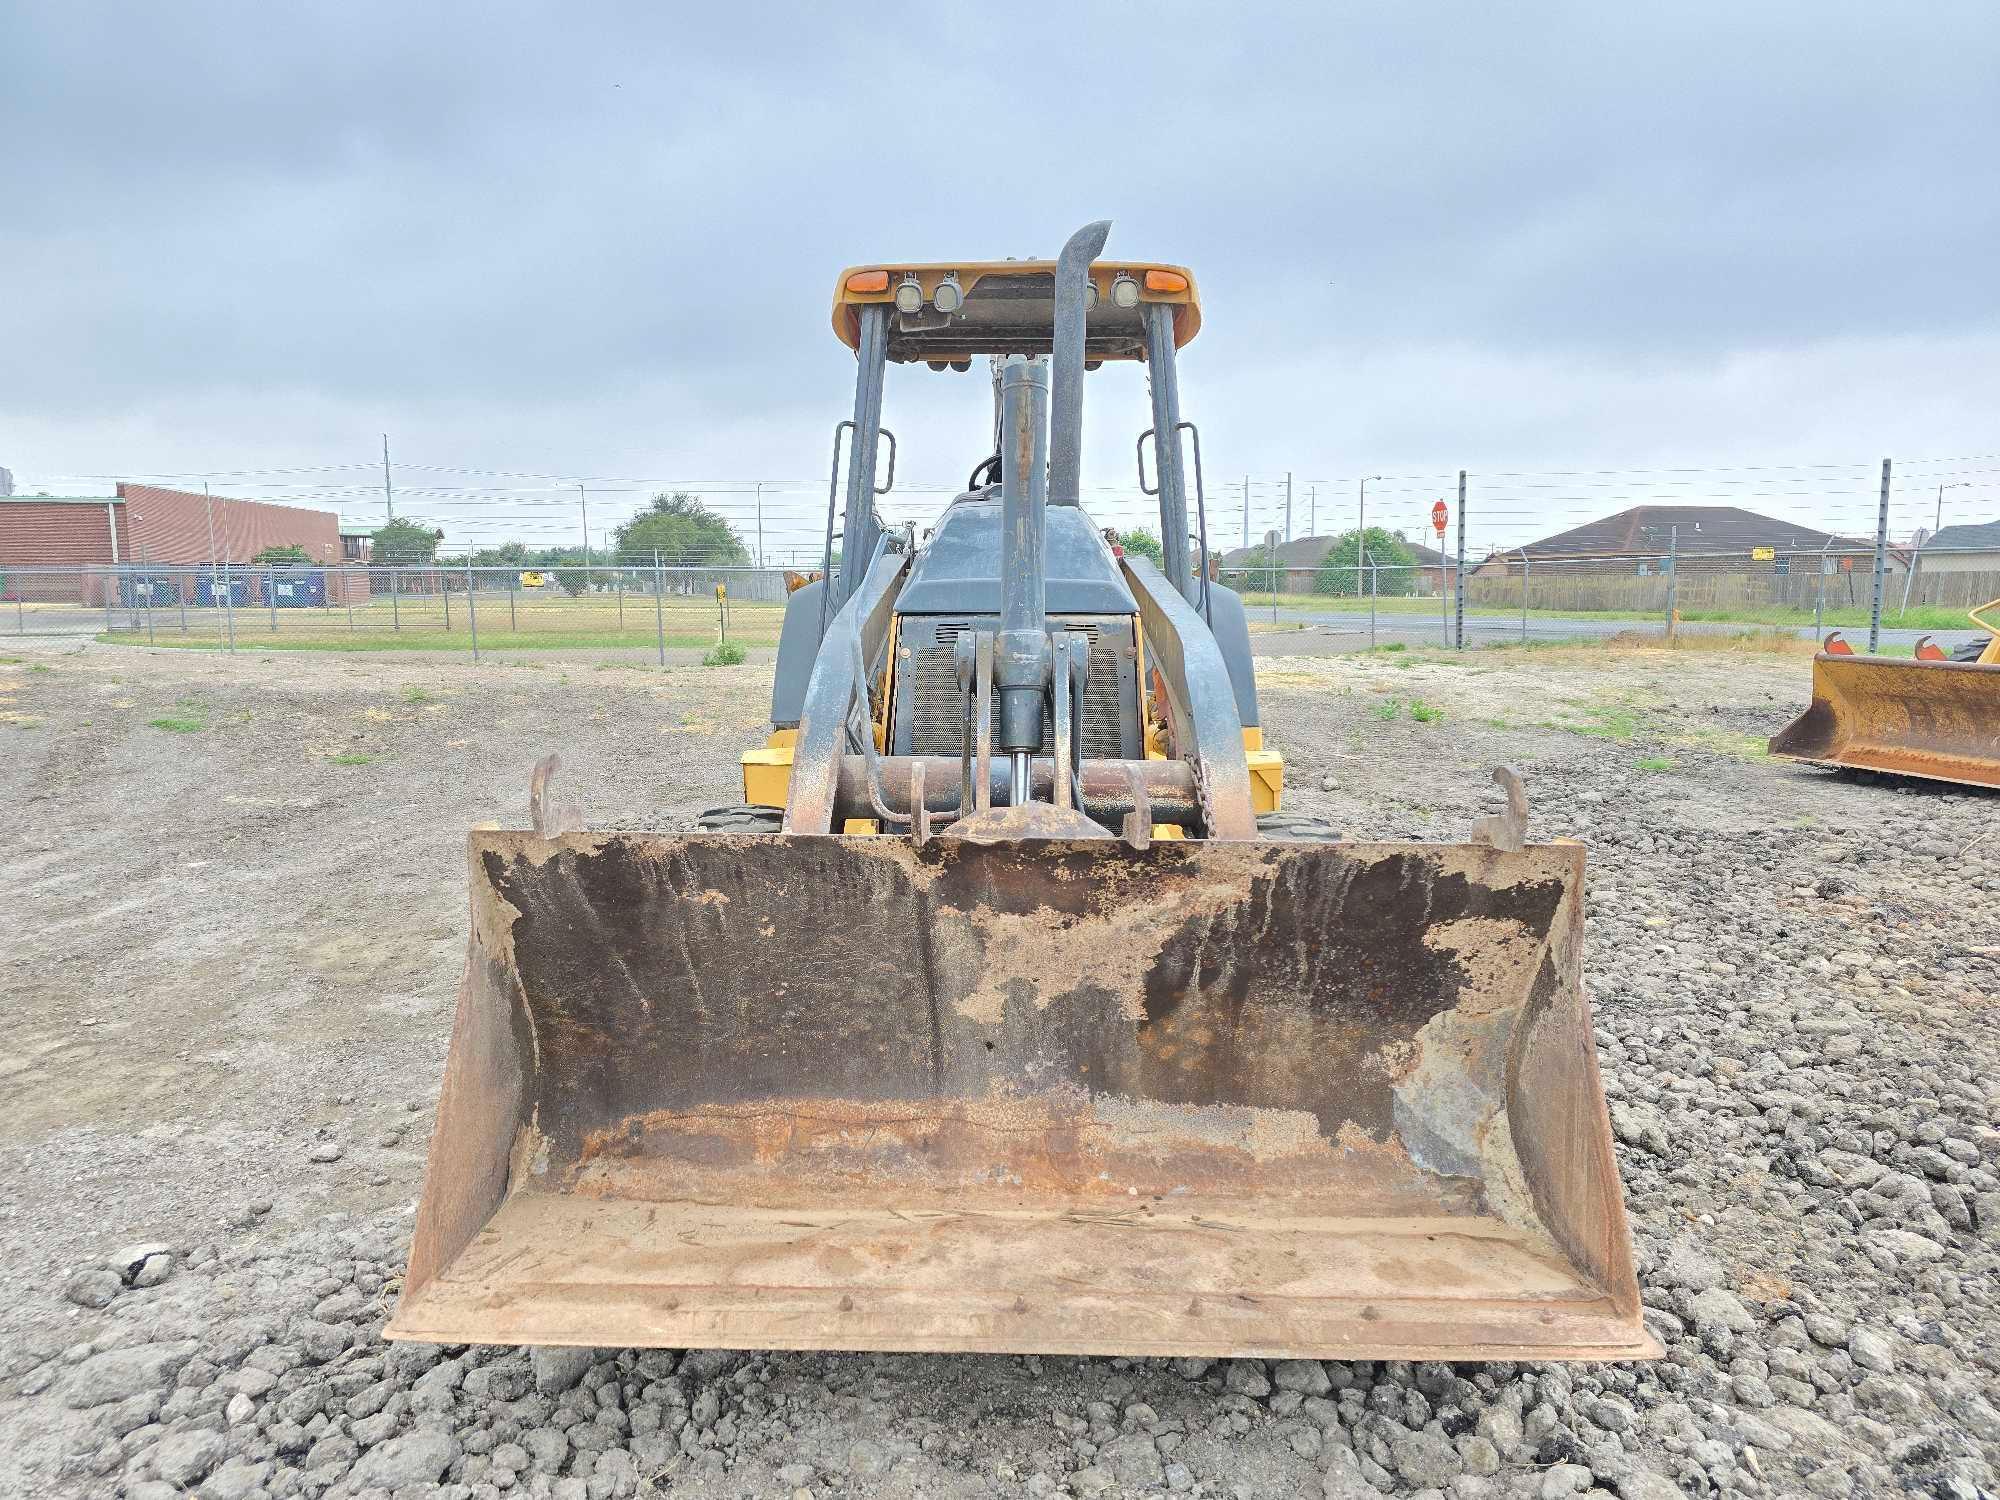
1935,715
1009,1011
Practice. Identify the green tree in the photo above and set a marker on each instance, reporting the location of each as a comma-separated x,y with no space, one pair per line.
1142,543
506,555
1396,565
292,552
681,531
404,541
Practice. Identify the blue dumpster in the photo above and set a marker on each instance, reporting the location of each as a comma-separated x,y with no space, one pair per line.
148,590
212,588
296,588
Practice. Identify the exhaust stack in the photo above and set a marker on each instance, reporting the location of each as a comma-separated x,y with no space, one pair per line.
1066,425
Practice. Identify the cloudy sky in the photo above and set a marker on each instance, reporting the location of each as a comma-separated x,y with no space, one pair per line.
1592,253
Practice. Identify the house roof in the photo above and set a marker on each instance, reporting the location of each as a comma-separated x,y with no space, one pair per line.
1702,528
1971,538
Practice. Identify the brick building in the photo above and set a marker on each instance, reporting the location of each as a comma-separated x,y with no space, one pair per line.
147,526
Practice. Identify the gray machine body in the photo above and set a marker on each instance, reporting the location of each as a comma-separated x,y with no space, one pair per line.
954,583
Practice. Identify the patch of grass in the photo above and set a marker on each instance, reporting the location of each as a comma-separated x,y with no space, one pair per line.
1389,710
24,721
10,661
726,654
1606,723
1380,650
1725,742
418,695
44,671
1654,763
189,717
349,758
1425,713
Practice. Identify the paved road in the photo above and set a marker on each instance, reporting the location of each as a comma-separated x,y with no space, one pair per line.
42,620
1483,630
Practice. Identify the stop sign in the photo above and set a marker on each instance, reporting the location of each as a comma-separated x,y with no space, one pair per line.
1439,515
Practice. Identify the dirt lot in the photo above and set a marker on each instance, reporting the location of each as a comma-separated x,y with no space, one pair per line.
235,917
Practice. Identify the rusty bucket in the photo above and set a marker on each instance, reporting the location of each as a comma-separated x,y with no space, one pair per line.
850,1093
1938,719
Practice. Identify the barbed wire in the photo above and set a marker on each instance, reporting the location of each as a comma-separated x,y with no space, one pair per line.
1508,508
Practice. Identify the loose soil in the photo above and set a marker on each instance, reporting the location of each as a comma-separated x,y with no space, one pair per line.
235,916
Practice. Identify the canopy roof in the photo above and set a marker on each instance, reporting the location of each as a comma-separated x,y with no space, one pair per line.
1008,307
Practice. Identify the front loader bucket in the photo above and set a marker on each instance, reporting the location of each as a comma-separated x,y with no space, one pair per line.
819,1092
1939,719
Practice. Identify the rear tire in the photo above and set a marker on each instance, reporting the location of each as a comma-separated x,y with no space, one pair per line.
1297,828
1970,651
741,818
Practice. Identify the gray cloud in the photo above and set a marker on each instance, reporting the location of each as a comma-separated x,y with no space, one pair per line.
601,240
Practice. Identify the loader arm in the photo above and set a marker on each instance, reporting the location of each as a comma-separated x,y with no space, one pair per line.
1207,729
855,640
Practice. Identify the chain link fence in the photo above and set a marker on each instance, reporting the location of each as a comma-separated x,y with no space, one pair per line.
441,607
1518,598
680,609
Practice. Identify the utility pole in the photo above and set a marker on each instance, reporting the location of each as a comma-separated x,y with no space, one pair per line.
1460,640
1881,563
583,500
1288,505
1361,520
1673,582
760,523
228,615
1312,511
1917,556
1246,512
208,503
388,488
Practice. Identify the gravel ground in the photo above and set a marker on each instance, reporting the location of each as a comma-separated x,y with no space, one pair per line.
230,959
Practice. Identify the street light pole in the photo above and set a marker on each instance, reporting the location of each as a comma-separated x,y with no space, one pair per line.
583,500
1361,525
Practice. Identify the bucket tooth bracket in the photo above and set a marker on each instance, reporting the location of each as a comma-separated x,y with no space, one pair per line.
1508,830
549,814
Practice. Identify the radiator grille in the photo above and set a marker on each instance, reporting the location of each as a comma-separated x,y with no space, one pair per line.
936,725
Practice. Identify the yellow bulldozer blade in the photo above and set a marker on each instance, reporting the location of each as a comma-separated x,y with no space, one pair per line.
1276,1099
1939,719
